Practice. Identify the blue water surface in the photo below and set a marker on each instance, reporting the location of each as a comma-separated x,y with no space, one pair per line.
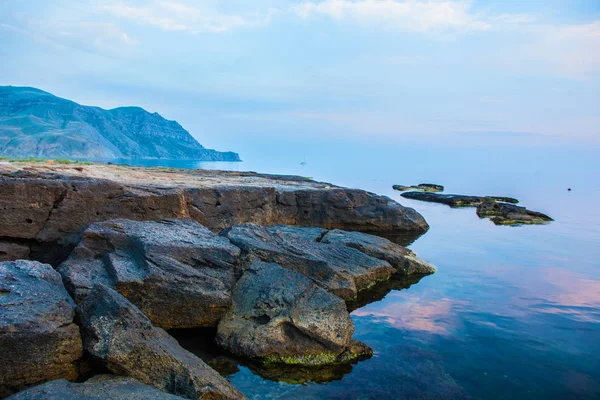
512,312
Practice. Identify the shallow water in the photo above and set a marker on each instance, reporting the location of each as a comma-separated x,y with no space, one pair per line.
512,312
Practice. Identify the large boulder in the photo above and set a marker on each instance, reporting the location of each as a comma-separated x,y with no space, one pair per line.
405,261
106,387
176,271
38,339
341,270
119,334
281,316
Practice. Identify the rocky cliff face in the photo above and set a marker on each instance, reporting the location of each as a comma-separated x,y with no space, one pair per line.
34,123
45,209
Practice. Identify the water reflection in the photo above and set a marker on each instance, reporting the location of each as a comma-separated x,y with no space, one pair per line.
201,343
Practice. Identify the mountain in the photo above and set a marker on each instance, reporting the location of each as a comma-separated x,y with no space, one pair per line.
34,123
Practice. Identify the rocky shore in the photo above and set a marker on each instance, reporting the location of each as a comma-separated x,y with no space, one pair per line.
44,209
272,264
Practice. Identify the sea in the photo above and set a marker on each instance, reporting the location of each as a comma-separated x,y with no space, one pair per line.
511,313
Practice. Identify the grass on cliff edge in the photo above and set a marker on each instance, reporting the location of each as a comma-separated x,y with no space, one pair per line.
62,161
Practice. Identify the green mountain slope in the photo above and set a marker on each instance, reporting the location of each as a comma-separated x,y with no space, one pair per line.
34,123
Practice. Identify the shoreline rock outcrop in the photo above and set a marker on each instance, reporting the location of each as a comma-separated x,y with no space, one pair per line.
340,270
177,272
38,339
404,261
281,317
48,207
117,333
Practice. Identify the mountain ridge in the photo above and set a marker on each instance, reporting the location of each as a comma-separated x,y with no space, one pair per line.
36,123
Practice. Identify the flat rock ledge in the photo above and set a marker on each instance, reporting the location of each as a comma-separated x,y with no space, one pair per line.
48,207
38,339
106,387
281,317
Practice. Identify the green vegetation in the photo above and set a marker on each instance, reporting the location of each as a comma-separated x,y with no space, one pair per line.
61,161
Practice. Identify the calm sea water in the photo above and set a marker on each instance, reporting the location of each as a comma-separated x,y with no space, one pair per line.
512,313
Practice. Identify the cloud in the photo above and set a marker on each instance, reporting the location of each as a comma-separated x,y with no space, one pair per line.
411,15
178,16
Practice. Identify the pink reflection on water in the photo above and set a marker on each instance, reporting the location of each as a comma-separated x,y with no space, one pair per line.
414,313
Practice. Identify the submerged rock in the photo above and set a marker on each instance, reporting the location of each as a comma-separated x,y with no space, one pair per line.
339,269
509,214
402,259
177,272
119,334
106,387
281,316
456,200
38,339
427,187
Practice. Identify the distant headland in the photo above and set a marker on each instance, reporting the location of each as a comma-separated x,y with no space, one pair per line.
34,123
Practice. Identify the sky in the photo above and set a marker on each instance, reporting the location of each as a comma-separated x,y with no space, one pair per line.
232,71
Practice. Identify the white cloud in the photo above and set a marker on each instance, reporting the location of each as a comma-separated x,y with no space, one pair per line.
178,16
410,15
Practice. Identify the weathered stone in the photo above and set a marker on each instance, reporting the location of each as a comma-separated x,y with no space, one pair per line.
509,214
456,200
281,316
45,203
38,339
426,187
176,271
106,387
10,251
339,269
118,333
402,259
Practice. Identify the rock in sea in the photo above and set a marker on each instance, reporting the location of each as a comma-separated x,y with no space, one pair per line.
38,339
281,316
509,214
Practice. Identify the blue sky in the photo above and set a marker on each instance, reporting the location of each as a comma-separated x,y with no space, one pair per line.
364,70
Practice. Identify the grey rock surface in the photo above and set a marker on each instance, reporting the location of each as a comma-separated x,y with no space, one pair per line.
101,387
281,316
404,260
177,272
339,269
38,339
119,334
